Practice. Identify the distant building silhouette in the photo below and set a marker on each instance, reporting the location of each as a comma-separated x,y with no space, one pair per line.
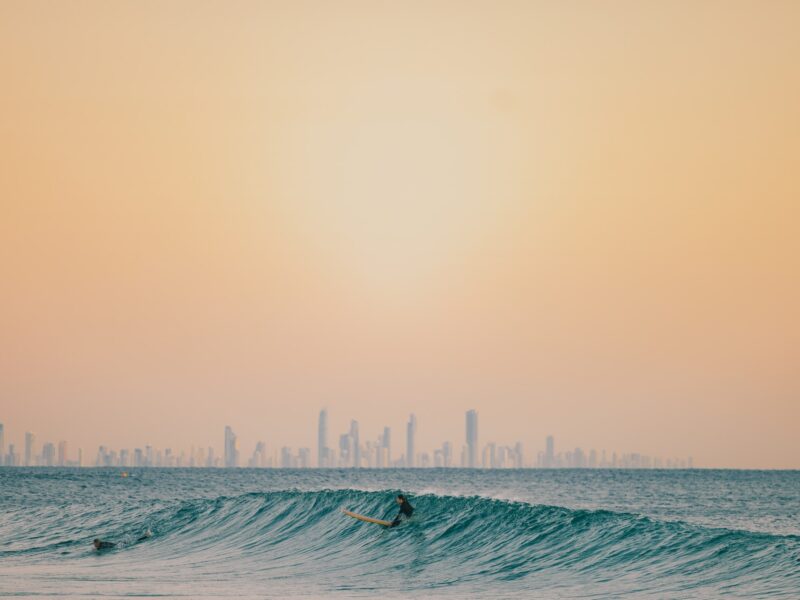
549,453
472,439
387,446
447,455
379,455
231,448
62,453
356,444
411,434
30,452
48,455
345,450
322,440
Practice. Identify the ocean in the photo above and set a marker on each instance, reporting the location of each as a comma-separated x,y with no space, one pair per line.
475,534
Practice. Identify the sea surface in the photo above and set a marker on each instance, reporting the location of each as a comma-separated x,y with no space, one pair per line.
475,534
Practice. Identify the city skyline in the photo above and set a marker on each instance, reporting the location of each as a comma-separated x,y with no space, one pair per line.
351,453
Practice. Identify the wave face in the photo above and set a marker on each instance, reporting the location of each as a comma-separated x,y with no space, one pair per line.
284,543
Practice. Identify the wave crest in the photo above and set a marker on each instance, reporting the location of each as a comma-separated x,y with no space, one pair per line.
449,541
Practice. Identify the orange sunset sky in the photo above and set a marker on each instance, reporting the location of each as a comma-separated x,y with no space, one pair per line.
579,218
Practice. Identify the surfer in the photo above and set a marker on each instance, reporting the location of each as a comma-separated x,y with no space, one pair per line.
101,545
405,510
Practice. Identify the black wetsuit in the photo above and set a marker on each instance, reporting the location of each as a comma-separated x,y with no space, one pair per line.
405,510
105,546
108,545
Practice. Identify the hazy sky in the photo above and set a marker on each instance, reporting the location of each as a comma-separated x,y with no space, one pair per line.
578,218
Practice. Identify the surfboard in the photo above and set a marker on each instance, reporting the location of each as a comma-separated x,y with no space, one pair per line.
367,519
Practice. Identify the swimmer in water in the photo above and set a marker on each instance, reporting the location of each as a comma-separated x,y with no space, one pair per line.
101,545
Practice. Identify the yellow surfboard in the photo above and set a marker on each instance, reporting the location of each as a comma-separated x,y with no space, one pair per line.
367,519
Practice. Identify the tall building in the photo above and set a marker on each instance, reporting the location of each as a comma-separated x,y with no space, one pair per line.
231,448
424,461
356,444
62,453
345,450
259,458
100,459
286,458
303,458
48,455
549,453
519,456
322,440
11,458
472,439
447,455
30,452
490,456
387,446
411,434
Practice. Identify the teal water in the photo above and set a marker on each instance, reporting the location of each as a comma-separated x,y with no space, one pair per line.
494,534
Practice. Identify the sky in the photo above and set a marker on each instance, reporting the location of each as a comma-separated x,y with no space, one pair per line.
578,218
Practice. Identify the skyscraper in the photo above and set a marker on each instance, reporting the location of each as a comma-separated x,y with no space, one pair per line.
549,453
447,455
286,458
30,452
345,450
303,458
49,455
62,453
322,440
231,448
411,434
356,444
387,446
11,458
472,439
490,456
519,456
259,458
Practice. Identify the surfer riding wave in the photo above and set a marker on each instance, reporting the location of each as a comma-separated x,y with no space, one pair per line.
406,510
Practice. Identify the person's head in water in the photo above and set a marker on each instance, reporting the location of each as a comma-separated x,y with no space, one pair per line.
401,499
101,545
